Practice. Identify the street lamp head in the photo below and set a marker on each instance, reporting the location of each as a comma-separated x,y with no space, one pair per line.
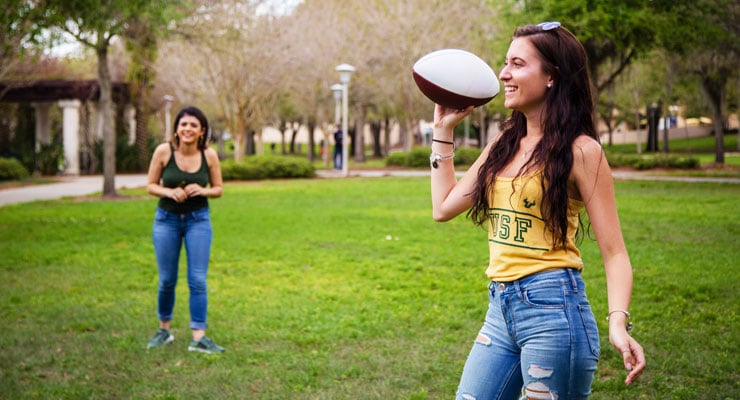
337,90
345,71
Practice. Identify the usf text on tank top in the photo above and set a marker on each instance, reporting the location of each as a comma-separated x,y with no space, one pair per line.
173,176
519,242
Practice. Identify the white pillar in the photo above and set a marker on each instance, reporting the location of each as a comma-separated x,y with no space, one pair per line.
130,115
71,135
43,135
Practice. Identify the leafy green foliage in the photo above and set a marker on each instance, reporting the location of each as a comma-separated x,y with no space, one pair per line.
419,157
263,167
12,169
650,161
397,159
50,158
467,155
613,32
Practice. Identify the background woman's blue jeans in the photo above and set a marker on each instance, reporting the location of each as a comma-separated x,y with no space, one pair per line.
169,232
539,341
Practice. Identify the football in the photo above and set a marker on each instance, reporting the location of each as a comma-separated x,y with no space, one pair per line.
455,78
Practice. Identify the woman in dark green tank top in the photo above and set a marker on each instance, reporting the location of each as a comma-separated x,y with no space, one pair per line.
184,174
173,177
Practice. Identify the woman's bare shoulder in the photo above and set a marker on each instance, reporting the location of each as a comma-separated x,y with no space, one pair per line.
211,156
586,148
162,148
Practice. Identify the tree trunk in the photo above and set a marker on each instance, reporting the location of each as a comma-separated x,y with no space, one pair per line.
375,130
293,136
387,133
142,132
250,150
238,134
142,45
311,143
483,128
714,89
359,141
407,134
109,137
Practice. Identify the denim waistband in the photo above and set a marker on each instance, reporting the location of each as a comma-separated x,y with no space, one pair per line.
570,276
195,214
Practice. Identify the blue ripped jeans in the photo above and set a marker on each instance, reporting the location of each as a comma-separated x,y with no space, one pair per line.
539,341
169,232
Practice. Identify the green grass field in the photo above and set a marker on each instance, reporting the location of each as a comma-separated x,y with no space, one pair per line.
341,289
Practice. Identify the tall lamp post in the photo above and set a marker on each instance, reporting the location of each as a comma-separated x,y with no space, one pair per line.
345,71
337,89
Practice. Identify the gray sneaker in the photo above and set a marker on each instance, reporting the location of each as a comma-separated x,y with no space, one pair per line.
161,338
205,345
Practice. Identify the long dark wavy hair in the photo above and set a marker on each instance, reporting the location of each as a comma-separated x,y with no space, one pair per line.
568,114
197,113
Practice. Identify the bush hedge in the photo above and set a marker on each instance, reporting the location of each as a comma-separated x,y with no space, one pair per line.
12,169
649,161
50,159
419,157
263,167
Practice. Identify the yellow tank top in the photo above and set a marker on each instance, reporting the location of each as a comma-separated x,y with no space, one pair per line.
519,243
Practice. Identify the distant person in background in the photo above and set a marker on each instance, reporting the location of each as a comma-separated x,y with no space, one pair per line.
184,174
539,339
338,148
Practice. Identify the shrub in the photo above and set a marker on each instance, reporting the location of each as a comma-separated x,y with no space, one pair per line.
467,155
617,160
262,167
50,159
12,169
397,159
419,157
685,162
127,156
649,161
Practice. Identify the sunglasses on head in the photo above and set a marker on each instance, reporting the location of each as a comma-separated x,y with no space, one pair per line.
549,25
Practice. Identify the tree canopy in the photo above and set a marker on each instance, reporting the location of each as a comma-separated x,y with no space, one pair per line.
94,23
249,65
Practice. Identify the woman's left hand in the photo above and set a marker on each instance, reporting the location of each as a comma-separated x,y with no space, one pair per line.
632,353
195,189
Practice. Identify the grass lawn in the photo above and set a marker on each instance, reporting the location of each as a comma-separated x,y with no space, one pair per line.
341,289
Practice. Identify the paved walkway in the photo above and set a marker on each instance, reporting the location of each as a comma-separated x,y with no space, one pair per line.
67,186
87,185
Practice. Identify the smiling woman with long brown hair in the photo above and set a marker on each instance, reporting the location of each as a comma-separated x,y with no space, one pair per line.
529,186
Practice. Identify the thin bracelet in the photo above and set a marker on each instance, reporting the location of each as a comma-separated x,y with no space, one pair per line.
454,146
629,318
435,157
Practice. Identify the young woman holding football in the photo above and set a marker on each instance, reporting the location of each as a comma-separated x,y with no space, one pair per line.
529,186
